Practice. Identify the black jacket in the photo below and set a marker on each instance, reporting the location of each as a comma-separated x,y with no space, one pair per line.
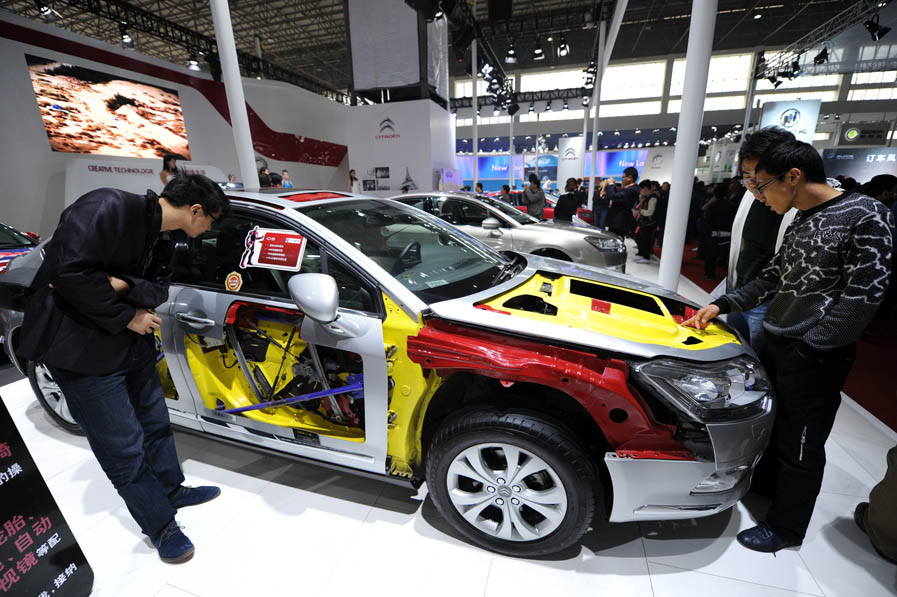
566,206
74,320
622,203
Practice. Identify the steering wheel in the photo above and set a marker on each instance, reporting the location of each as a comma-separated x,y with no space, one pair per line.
411,252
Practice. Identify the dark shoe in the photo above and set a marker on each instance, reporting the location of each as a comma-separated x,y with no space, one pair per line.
172,545
185,496
859,515
763,538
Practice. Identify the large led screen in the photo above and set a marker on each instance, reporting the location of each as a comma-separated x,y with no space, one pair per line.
87,111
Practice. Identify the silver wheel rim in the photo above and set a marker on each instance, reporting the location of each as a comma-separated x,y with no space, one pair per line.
506,492
51,393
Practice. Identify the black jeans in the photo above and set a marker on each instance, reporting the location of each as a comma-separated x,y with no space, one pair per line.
808,387
644,239
126,423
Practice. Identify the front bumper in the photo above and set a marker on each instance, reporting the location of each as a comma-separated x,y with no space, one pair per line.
653,489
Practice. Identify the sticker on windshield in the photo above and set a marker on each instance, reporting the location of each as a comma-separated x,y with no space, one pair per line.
233,282
435,283
274,249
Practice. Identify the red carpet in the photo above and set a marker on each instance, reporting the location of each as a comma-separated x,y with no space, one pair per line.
873,379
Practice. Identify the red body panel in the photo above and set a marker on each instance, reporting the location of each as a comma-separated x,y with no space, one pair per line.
599,385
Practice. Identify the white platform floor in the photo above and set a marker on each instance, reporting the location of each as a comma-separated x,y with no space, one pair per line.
282,528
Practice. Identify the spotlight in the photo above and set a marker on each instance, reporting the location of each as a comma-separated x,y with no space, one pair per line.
672,129
592,69
532,108
548,106
538,54
590,83
192,63
795,66
875,30
487,69
585,100
616,133
565,105
758,16
495,111
513,108
564,47
821,57
511,56
775,81
638,131
48,14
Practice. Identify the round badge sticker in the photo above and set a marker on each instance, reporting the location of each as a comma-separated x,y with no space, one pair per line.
233,282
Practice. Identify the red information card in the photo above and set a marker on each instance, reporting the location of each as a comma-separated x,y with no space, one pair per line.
274,249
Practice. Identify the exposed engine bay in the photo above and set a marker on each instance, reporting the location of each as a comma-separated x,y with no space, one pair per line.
263,370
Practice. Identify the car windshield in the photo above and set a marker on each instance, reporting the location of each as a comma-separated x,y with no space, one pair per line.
433,260
11,238
508,210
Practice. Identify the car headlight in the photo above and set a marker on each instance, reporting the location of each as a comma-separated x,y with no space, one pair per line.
610,245
710,391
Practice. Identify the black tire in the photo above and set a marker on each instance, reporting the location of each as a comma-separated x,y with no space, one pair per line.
51,399
531,433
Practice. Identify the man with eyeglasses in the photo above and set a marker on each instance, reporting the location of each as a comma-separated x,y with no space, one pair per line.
89,319
757,234
824,287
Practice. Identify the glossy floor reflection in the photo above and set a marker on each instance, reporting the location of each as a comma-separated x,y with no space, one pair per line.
283,528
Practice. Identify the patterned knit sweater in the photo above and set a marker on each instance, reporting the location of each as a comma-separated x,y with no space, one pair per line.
829,277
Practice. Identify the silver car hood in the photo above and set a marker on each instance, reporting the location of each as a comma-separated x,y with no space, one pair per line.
569,228
463,311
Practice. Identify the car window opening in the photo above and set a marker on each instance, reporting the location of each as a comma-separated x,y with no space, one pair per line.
617,296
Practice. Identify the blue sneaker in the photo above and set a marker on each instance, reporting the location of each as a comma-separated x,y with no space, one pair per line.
763,538
185,496
173,545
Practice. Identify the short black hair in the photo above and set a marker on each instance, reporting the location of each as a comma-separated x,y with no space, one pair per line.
276,179
756,144
779,159
505,187
533,179
645,184
264,180
631,173
188,189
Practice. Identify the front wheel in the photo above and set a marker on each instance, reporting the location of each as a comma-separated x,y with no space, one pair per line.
51,397
512,482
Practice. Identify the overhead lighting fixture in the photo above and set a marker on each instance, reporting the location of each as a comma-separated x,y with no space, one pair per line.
563,47
638,131
511,56
672,129
193,63
126,40
47,14
774,81
758,16
590,83
795,66
875,30
495,111
548,106
566,107
538,54
592,68
585,100
550,37
532,108
616,133
821,57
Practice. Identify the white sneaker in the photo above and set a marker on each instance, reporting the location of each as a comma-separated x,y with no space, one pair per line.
642,260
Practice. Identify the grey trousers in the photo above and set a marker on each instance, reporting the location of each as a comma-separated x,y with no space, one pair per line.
881,518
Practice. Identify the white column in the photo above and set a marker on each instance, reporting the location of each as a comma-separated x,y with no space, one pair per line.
233,87
596,99
585,141
511,154
752,87
476,137
688,133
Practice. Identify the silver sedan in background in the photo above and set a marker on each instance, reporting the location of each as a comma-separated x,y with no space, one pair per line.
505,228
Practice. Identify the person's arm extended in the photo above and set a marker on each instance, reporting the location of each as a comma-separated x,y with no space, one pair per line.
866,270
80,280
151,291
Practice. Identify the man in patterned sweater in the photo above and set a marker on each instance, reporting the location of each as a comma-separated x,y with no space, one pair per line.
825,285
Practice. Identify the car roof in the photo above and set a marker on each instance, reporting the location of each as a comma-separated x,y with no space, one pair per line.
293,198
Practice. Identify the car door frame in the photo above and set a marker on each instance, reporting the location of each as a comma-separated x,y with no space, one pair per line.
203,302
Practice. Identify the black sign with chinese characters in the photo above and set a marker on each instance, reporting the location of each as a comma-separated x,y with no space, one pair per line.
860,164
39,556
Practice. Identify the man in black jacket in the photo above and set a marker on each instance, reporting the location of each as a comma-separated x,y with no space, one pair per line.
622,202
89,319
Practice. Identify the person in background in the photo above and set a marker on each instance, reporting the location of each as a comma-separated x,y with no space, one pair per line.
354,184
169,168
505,193
716,224
231,178
286,180
647,225
264,180
404,189
621,202
89,317
824,286
883,187
878,517
757,234
276,180
568,202
534,197
478,188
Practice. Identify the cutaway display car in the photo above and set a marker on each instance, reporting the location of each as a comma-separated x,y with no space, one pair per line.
530,393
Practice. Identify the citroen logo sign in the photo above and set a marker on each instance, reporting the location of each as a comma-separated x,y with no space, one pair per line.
570,152
387,125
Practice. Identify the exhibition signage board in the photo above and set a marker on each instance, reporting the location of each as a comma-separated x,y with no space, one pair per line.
570,155
39,556
798,117
860,163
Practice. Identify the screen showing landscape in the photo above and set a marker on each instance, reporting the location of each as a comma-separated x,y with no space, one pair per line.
88,111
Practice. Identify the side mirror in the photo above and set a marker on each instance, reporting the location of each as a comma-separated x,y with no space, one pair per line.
491,224
316,295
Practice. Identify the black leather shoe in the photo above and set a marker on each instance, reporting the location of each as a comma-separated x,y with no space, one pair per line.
763,538
859,515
